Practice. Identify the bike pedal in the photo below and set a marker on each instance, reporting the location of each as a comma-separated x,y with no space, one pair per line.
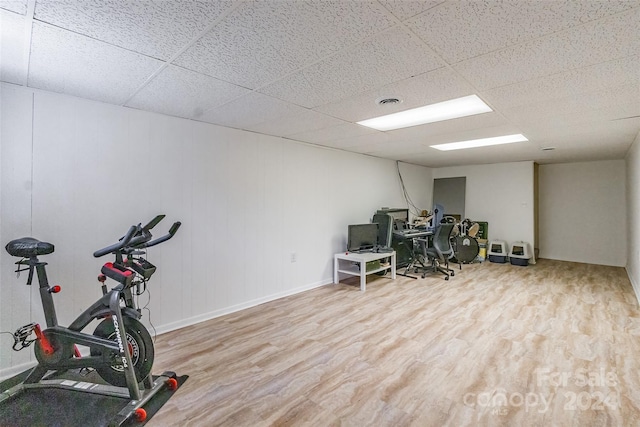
21,336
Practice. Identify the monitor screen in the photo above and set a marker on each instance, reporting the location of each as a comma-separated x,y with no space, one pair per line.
362,237
396,213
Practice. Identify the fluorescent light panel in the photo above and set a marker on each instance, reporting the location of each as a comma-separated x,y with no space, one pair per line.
484,142
452,109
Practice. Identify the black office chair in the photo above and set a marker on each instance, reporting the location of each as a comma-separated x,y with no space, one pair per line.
440,251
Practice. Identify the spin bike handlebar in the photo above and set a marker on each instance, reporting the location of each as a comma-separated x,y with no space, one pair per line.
117,246
172,232
139,237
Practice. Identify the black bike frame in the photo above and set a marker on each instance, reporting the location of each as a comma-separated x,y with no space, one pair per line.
107,306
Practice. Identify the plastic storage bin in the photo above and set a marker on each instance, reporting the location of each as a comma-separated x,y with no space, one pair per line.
520,253
498,251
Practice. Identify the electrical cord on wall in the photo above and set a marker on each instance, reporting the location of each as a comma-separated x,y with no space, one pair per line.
417,211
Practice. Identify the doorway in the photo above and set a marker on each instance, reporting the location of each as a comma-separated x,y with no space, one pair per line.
450,194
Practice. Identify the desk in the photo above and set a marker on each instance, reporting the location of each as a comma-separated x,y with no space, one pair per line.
403,242
361,259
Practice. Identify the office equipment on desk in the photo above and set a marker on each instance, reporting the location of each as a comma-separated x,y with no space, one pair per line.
440,251
401,214
411,233
385,228
362,237
366,238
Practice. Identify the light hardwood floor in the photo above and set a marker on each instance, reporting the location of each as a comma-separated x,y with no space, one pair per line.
551,344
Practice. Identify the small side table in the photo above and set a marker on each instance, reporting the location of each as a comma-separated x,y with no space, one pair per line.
343,263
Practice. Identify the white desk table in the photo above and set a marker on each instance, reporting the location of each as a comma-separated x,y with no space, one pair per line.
343,263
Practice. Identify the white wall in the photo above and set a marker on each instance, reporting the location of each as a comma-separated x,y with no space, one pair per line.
633,215
582,214
501,194
78,173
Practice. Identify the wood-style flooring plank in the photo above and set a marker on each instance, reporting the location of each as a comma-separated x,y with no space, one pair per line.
555,343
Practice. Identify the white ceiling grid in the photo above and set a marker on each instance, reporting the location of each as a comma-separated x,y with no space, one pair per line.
565,73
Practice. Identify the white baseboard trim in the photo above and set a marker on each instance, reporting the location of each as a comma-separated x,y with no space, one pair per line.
634,284
232,309
15,370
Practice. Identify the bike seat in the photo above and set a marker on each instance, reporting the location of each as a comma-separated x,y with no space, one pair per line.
26,247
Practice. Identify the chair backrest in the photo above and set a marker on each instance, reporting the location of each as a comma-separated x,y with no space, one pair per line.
442,242
385,229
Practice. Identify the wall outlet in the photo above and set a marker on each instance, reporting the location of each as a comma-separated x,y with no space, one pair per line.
294,257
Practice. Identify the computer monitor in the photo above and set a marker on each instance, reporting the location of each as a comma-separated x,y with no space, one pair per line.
362,237
401,214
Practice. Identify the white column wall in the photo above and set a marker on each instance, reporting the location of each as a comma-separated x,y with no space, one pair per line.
633,215
77,173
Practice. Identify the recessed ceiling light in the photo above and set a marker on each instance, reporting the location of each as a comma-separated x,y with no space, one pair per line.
484,142
452,109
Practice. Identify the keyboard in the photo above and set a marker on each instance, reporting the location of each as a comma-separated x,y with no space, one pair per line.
412,233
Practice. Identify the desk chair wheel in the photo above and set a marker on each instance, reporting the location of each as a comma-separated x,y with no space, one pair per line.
446,277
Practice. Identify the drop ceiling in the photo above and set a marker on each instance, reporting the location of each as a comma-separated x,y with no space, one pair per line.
566,74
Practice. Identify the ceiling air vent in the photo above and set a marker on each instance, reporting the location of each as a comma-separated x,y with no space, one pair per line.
388,101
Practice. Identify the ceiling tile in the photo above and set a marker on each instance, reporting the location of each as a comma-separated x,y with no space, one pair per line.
612,116
588,79
389,57
428,88
465,29
14,6
609,140
261,41
319,136
12,48
184,93
297,121
605,40
249,110
62,61
350,143
560,72
577,104
393,149
404,9
155,28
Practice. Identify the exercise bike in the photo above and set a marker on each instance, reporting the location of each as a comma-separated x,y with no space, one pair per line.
121,348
